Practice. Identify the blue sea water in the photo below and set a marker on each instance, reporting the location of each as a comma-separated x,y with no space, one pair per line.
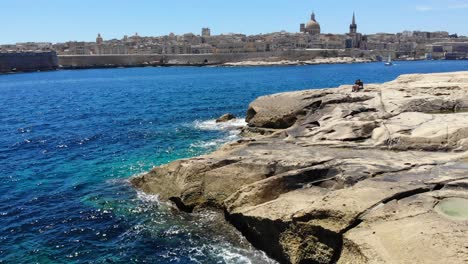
69,141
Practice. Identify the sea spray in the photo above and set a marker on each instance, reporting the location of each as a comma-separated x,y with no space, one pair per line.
230,128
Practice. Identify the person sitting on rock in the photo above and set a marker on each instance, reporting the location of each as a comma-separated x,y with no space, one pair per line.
358,85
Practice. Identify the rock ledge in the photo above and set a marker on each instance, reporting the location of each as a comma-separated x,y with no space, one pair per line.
330,176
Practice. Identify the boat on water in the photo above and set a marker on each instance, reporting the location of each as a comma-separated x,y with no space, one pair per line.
389,61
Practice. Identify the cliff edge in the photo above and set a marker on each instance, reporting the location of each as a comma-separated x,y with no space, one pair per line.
331,176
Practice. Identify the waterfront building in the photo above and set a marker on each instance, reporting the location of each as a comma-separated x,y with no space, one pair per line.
206,32
448,50
202,49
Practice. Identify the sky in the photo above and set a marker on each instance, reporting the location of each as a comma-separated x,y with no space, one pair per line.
65,20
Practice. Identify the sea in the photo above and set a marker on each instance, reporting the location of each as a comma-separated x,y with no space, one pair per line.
71,139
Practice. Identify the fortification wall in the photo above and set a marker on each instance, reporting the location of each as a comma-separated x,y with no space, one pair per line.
28,61
98,61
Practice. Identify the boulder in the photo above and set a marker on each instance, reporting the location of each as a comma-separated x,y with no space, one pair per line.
225,118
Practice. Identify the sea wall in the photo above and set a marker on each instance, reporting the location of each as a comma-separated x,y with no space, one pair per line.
28,61
41,61
135,60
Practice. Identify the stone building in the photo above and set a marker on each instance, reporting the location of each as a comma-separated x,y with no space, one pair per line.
408,43
99,39
355,39
333,41
206,32
99,42
448,50
33,46
202,49
312,27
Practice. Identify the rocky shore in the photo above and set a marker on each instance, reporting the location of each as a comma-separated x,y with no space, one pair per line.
330,176
317,61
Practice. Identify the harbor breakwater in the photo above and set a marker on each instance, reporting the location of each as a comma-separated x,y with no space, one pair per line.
43,61
28,61
138,60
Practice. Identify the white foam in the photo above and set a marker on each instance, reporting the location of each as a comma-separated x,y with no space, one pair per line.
209,144
242,256
232,128
232,136
233,257
212,125
148,198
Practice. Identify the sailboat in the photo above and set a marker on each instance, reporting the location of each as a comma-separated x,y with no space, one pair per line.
389,61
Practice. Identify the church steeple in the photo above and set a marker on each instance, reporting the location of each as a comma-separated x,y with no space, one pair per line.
313,17
353,26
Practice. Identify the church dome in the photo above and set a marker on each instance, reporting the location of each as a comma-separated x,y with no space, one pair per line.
312,27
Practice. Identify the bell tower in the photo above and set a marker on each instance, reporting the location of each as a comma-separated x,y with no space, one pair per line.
99,39
353,26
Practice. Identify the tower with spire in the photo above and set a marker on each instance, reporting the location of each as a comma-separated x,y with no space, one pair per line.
353,26
98,48
355,40
99,39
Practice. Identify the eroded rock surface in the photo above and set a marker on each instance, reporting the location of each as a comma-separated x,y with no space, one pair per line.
330,176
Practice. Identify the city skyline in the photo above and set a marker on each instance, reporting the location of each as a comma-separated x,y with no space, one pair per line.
60,22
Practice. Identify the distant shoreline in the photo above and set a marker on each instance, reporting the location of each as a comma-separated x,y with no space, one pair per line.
243,64
249,63
50,61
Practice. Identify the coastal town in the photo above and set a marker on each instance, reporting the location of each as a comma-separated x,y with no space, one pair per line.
403,45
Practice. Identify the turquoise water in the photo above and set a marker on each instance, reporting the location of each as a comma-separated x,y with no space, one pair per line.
69,140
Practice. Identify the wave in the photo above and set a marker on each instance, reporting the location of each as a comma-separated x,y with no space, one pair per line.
229,254
232,136
211,124
148,198
244,256
232,129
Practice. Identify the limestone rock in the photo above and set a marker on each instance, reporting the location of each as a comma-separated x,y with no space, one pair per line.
225,118
330,176
412,231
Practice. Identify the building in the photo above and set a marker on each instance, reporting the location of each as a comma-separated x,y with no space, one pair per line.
415,44
206,32
353,26
312,27
355,39
448,50
99,39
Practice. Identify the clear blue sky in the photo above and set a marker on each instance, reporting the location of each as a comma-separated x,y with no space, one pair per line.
62,20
